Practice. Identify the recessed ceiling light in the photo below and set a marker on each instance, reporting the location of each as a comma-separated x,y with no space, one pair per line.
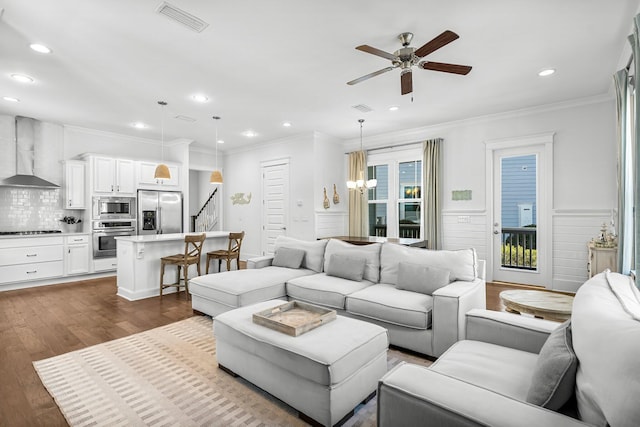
139,125
394,108
10,99
220,141
40,48
546,72
22,78
200,97
249,133
286,124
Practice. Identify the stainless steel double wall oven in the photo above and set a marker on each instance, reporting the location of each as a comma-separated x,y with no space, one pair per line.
111,217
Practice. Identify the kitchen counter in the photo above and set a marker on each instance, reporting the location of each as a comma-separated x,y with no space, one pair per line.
28,236
138,259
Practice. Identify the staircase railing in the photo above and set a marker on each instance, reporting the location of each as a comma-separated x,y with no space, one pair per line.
207,217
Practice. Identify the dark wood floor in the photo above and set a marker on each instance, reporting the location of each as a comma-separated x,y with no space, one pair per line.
42,322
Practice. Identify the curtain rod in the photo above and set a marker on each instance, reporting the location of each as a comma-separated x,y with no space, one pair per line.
389,146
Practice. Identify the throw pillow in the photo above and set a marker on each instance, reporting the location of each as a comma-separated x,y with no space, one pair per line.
346,266
554,376
288,257
420,278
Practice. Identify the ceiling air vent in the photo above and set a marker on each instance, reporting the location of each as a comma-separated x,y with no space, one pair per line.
192,22
185,118
363,108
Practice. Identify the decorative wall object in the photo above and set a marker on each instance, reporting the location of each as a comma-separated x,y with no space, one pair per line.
240,199
336,197
325,202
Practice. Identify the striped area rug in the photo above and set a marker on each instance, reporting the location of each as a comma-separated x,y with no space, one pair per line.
168,376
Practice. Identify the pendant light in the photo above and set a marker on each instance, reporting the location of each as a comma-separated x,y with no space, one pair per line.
162,170
360,183
216,175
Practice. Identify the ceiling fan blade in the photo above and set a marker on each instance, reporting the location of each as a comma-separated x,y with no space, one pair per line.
442,40
378,52
447,68
406,82
368,76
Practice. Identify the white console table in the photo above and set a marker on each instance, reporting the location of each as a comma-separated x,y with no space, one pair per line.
138,260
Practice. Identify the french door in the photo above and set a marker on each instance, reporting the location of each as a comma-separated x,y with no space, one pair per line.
520,192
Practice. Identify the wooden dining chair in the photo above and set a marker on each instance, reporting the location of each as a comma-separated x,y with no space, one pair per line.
232,252
192,251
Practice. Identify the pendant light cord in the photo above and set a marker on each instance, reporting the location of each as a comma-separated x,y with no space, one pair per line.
162,105
216,118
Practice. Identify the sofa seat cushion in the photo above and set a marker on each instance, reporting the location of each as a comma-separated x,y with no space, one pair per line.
500,369
238,288
326,355
322,289
386,303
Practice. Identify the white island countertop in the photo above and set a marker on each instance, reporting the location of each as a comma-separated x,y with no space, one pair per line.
150,238
138,259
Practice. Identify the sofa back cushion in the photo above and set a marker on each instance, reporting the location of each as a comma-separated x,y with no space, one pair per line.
605,321
462,264
346,266
313,251
371,254
422,279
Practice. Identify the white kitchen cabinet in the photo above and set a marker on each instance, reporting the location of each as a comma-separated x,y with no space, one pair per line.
113,176
105,264
31,258
146,179
74,190
76,254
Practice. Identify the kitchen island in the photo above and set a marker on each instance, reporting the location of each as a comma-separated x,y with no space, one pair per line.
138,259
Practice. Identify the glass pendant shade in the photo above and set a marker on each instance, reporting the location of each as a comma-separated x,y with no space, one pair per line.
360,183
216,177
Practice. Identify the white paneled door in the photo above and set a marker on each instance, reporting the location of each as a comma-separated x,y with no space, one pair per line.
275,202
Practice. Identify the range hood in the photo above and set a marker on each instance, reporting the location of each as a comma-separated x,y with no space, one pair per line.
25,134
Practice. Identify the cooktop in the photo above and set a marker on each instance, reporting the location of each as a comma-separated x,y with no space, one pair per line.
28,232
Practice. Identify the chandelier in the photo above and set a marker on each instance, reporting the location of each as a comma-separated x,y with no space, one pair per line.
360,184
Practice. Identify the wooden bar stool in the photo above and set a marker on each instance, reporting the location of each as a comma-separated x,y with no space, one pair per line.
233,252
192,252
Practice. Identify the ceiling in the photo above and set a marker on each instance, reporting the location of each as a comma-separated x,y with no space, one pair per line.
262,63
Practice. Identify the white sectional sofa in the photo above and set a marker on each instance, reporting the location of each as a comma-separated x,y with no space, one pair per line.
513,370
420,296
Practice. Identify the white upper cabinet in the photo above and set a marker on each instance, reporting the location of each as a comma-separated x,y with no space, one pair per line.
146,171
74,187
113,176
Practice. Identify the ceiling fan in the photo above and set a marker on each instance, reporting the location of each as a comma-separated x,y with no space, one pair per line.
406,57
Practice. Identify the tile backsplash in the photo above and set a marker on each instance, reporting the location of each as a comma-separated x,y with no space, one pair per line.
26,209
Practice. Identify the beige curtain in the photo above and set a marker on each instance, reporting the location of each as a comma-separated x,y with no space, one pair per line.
431,177
358,212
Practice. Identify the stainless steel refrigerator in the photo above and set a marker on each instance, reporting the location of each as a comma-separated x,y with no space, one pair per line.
159,212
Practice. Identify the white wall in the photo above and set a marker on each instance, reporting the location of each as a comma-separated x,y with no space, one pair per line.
584,176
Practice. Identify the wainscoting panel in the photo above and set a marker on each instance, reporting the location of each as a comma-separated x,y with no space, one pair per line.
572,231
331,224
465,229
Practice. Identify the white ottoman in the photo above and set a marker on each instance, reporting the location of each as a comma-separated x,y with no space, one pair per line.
324,373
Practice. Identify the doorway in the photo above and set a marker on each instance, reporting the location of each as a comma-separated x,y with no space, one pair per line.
520,193
275,202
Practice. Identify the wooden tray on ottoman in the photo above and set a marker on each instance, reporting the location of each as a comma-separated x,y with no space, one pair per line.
294,318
